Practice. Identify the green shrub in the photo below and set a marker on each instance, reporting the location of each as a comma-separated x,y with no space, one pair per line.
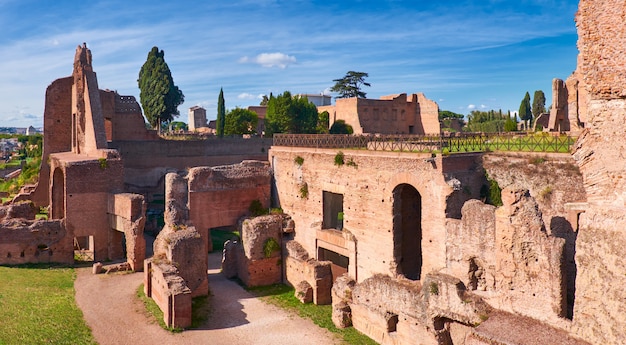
304,190
270,247
298,160
491,193
256,208
339,159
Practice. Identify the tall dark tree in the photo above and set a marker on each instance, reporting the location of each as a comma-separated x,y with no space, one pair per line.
525,113
221,115
350,85
159,96
539,103
287,114
240,121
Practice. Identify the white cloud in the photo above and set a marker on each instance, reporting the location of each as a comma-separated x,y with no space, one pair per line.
246,95
279,60
482,106
471,107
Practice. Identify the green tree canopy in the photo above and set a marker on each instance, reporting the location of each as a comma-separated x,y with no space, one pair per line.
240,121
322,122
341,127
446,114
287,114
539,103
221,115
159,96
178,125
525,112
350,85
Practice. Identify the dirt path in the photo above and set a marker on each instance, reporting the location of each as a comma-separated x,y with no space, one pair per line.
116,316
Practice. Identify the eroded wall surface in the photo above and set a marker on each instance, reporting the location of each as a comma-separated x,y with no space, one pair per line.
599,310
393,114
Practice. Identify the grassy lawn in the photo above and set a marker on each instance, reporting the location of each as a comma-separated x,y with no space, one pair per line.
283,296
37,307
221,235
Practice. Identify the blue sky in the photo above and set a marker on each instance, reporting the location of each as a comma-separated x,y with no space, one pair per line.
462,54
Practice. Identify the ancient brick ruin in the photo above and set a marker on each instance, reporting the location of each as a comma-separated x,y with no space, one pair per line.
393,114
401,244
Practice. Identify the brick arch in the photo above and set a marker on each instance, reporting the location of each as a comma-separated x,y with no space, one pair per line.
407,213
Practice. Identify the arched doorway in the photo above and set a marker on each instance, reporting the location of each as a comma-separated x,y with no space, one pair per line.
58,195
407,231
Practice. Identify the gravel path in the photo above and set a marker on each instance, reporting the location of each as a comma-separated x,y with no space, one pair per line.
116,316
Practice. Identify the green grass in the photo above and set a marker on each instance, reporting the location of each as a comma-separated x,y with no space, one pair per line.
221,235
200,311
37,307
283,296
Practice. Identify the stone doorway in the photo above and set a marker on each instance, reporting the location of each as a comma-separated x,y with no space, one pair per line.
58,195
339,262
407,231
84,249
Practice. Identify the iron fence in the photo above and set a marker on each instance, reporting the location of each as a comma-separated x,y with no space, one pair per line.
454,143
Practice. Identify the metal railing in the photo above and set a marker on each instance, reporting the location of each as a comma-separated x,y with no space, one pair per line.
454,143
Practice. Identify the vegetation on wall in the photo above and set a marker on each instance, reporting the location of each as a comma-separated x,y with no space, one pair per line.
339,159
298,160
491,193
270,247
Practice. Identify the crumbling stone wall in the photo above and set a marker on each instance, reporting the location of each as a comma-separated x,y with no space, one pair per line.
34,241
398,311
393,114
178,270
312,279
80,195
127,214
257,258
227,191
507,253
599,309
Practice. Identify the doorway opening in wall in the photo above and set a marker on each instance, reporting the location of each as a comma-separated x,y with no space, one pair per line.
333,210
58,195
84,249
407,231
339,262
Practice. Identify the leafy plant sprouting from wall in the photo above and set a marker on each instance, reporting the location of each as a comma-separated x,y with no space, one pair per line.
256,208
491,193
298,160
304,190
339,159
352,163
103,163
270,246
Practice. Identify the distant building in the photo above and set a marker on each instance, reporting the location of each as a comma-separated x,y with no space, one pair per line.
393,114
260,111
318,99
197,118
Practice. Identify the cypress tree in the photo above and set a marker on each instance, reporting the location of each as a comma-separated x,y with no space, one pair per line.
525,113
221,114
158,95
